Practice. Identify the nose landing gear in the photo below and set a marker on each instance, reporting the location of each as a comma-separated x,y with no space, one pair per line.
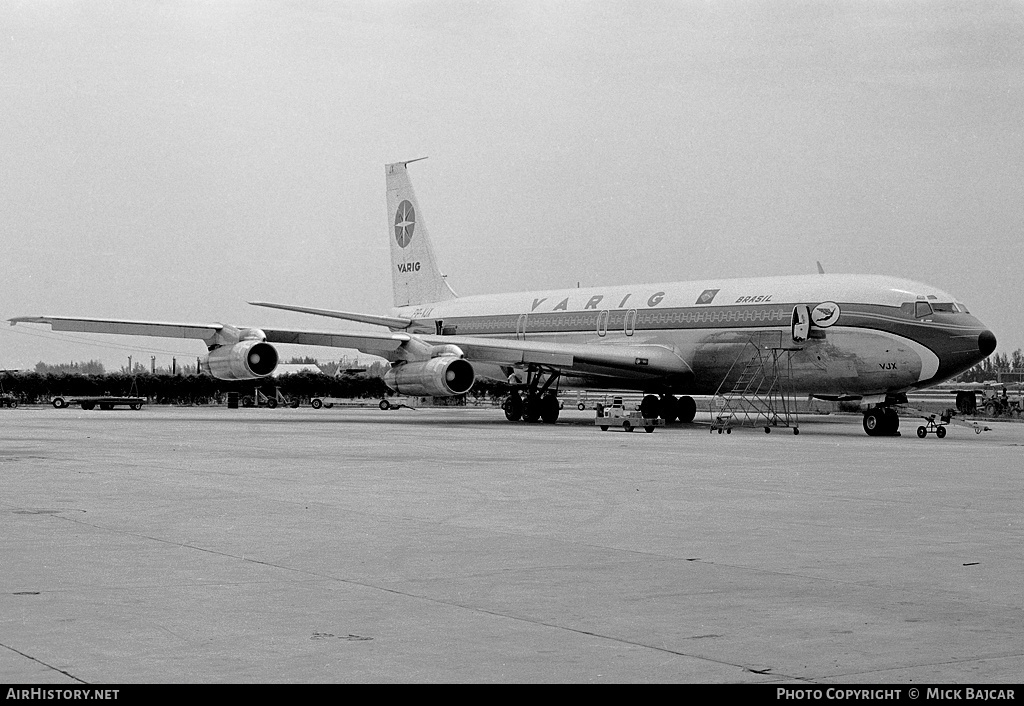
882,421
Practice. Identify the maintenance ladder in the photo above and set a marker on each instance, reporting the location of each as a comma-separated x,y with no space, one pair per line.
758,396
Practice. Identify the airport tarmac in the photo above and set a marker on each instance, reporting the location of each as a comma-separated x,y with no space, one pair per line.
208,545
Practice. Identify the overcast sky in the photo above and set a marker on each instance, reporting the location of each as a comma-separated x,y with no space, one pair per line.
172,160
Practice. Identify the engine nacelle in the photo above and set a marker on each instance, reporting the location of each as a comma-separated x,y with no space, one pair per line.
245,360
438,377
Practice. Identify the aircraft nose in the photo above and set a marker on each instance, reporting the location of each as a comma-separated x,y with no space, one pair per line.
986,343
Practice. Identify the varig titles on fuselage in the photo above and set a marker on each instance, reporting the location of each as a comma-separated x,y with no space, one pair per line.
594,302
588,300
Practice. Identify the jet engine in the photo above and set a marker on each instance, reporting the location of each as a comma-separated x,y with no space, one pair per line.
443,376
245,360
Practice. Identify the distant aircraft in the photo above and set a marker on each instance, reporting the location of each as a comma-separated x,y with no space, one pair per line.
848,337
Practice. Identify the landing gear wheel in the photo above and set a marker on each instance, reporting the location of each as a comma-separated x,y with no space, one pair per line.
513,407
531,409
892,422
549,408
650,407
687,409
874,422
669,408
941,432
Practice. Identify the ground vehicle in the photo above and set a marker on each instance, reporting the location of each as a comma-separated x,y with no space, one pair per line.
937,423
384,404
7,400
101,401
616,415
261,399
1001,405
936,427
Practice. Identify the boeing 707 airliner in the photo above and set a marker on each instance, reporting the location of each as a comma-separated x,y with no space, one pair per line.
846,337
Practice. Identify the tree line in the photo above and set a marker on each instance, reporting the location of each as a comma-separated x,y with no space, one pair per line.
77,380
33,387
185,389
996,363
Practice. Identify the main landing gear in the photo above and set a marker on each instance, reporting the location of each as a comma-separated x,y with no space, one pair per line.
538,403
669,408
882,421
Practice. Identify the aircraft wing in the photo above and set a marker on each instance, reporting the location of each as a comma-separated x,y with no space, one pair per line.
612,359
616,360
641,360
389,321
123,327
371,342
368,341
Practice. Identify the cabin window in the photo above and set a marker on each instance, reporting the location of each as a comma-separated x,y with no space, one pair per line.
922,309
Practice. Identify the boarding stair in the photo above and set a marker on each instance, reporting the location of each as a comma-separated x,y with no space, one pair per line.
759,395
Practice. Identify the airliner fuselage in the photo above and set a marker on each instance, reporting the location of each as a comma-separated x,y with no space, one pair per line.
863,335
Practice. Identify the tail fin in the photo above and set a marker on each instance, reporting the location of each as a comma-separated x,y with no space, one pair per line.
415,275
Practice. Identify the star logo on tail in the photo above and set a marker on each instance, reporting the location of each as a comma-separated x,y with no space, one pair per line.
405,222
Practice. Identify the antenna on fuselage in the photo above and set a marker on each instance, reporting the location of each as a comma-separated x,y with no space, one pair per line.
821,270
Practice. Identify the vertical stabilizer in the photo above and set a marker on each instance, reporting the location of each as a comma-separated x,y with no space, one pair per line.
415,274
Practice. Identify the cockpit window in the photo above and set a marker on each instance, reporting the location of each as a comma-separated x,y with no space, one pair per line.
922,309
953,307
